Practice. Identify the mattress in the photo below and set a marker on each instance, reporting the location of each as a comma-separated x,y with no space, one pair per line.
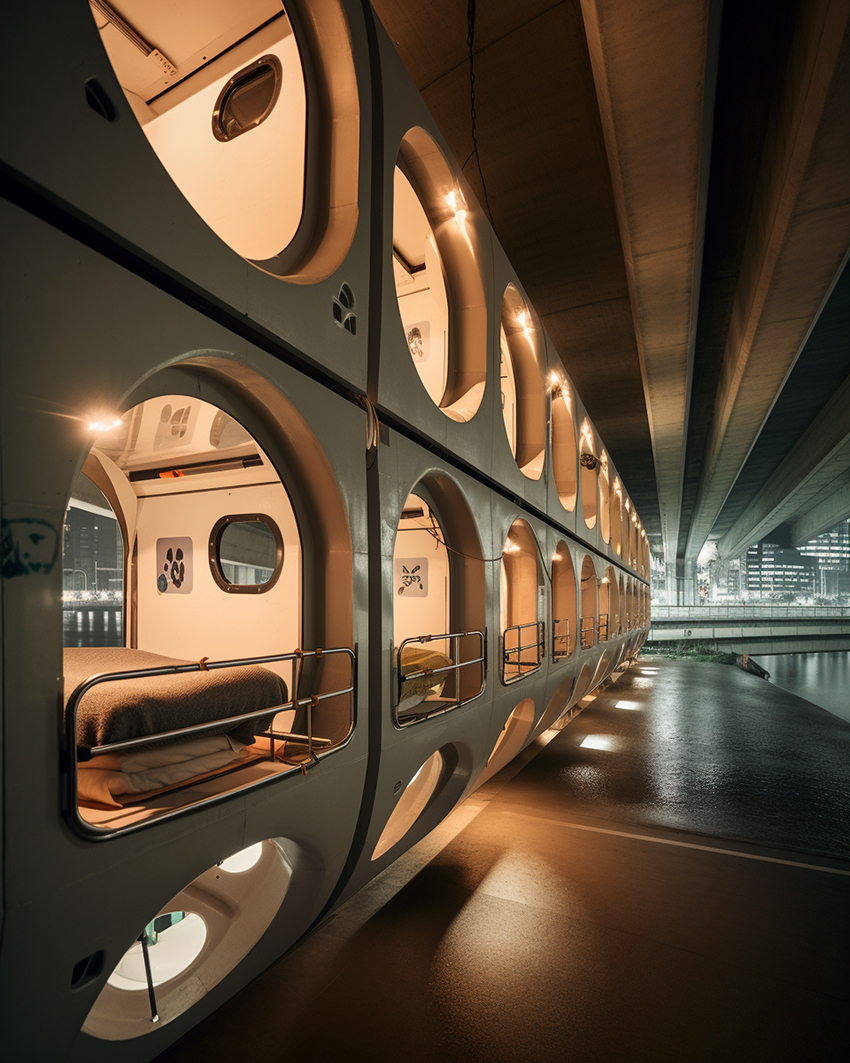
416,658
132,708
114,780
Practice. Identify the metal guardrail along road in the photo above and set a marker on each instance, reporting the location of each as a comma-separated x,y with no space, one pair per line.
748,612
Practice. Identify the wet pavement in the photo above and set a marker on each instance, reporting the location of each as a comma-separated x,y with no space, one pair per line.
667,879
703,748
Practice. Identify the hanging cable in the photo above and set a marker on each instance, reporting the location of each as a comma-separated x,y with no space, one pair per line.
434,531
470,42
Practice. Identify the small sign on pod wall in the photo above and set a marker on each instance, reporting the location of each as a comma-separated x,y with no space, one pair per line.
410,575
174,565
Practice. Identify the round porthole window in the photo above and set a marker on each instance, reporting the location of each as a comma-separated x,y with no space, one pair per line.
246,553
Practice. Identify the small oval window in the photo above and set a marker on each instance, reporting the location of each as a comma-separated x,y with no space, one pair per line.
246,553
248,98
174,940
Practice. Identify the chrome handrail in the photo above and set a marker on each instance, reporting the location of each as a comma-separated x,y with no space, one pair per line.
72,753
538,645
454,667
587,628
602,632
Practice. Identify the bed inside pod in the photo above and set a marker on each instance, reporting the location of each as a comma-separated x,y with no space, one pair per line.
183,582
521,604
564,604
438,659
588,604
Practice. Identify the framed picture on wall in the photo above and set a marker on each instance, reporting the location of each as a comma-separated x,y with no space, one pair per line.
419,341
410,576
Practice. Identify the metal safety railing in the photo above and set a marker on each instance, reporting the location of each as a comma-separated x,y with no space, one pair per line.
561,648
523,665
587,632
602,631
710,611
74,753
438,704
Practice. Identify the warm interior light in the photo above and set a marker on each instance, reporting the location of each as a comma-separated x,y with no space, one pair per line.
605,580
104,425
556,557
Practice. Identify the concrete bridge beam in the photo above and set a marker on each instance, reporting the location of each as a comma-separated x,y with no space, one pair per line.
796,242
820,457
826,514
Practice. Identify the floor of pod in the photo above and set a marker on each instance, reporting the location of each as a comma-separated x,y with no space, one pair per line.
665,878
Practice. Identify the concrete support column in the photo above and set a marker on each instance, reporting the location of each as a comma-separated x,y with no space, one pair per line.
687,581
671,585
680,578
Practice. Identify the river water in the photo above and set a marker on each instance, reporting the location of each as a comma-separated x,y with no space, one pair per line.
822,678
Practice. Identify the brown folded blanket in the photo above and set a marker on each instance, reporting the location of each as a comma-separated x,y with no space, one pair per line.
132,708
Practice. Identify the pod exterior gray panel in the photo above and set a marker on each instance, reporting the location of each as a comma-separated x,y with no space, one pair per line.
107,178
65,898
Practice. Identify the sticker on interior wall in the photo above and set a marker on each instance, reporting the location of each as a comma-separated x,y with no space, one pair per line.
28,547
419,341
174,565
410,575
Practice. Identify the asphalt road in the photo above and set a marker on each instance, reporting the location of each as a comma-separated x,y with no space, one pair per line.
667,879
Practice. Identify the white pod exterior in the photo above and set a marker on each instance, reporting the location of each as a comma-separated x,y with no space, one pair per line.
199,390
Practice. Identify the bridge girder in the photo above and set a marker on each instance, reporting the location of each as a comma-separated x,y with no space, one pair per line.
819,460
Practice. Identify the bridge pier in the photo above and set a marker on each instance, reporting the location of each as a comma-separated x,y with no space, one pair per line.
681,582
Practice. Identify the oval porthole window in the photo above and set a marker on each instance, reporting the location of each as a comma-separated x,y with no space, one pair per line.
244,860
436,257
247,99
411,804
173,941
246,553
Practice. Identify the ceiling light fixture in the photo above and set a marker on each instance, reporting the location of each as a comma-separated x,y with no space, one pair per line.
105,425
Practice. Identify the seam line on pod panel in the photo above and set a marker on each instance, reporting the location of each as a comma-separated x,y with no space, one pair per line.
39,203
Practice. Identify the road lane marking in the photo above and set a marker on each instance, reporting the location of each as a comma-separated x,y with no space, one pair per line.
682,845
